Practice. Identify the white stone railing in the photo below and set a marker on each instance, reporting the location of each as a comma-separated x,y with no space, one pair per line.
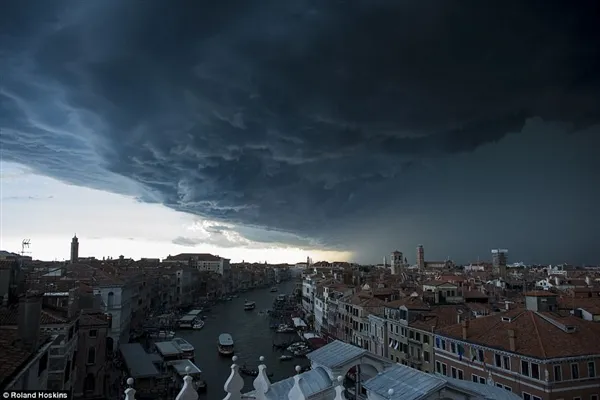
235,384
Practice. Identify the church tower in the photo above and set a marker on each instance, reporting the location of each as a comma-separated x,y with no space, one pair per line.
74,250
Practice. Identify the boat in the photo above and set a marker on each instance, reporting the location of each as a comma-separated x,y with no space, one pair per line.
274,289
187,349
187,321
225,344
284,328
199,324
249,305
163,335
286,357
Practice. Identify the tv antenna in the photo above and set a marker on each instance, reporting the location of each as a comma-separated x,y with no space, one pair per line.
25,245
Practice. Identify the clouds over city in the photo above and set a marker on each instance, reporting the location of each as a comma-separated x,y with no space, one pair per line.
322,124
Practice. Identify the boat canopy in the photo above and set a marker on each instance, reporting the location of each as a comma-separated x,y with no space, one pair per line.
181,365
195,312
225,339
167,348
187,318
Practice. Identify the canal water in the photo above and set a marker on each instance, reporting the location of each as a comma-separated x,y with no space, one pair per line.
252,338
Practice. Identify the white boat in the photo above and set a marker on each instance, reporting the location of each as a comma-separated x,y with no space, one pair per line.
199,324
249,305
274,289
285,358
187,349
225,344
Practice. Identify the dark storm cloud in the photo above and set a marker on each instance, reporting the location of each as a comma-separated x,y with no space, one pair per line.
303,117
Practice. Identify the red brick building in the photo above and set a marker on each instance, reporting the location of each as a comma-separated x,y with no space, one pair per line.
538,352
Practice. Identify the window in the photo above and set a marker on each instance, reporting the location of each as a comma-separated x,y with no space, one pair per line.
438,367
594,397
453,348
497,360
591,369
557,373
480,355
91,356
506,362
574,371
425,339
444,370
454,372
93,333
482,380
474,378
461,374
525,368
426,356
535,371
43,364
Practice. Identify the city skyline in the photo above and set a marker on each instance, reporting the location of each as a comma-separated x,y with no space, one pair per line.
274,132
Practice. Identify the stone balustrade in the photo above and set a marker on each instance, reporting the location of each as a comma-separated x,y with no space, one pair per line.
234,385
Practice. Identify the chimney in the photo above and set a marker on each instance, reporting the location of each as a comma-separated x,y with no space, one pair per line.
465,328
512,340
30,310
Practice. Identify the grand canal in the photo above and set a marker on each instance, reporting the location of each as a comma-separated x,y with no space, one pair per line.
252,337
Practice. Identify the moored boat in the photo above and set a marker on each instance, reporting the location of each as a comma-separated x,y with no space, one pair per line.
274,289
286,357
187,349
225,344
199,324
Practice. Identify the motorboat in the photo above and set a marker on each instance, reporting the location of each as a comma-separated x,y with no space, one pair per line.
199,324
249,305
187,349
274,289
225,344
286,357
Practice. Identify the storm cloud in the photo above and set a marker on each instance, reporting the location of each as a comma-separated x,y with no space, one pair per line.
332,123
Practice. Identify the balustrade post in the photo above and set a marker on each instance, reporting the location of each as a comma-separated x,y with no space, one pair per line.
188,391
262,382
130,391
296,392
235,383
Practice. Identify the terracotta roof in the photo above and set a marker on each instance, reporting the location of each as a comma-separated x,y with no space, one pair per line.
411,303
94,319
437,318
438,283
12,357
10,317
535,335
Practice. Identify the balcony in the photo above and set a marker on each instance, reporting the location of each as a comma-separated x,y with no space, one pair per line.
235,384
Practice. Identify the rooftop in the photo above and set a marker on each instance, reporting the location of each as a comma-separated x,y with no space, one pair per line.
538,335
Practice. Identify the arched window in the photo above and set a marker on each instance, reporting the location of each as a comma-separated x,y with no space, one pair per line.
91,355
110,303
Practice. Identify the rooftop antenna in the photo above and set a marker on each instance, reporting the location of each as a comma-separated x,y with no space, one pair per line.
25,245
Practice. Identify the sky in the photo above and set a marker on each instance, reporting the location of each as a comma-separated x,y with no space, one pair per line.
274,130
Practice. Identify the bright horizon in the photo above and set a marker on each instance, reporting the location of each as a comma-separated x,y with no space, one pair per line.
49,213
